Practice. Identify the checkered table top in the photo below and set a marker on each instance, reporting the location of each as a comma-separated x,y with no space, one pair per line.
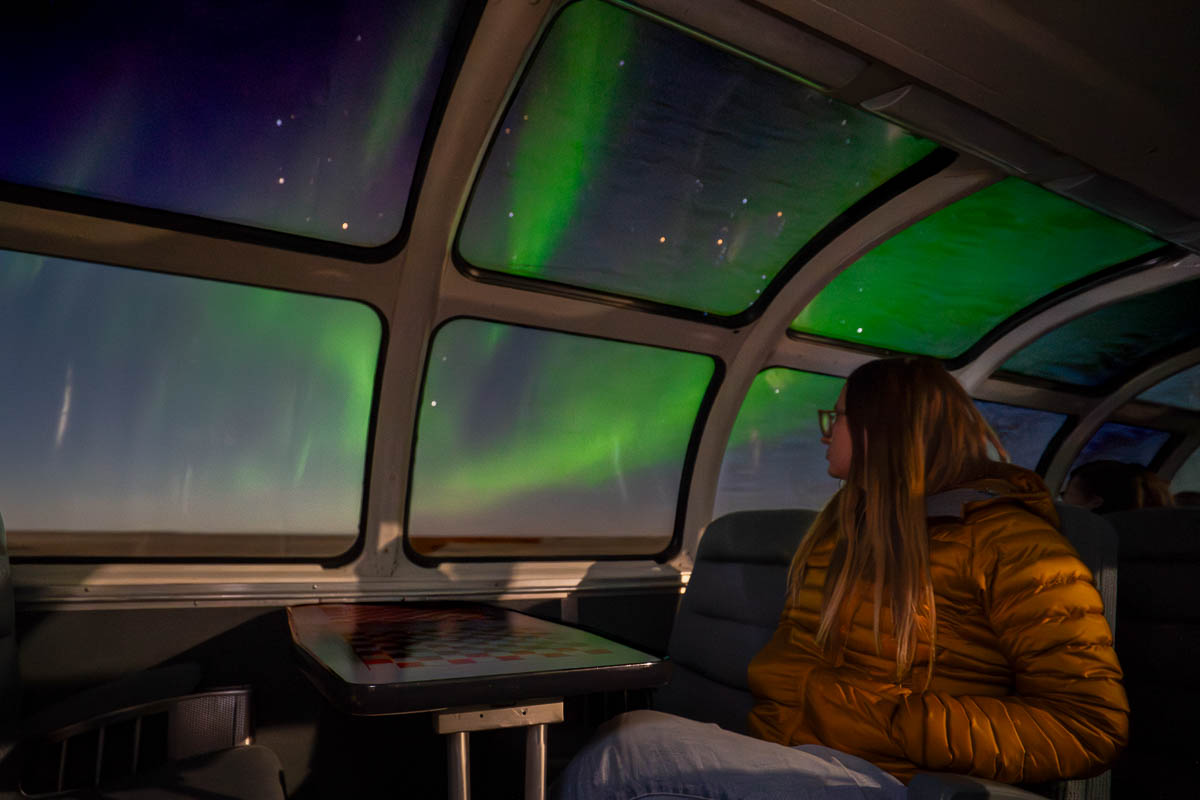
409,644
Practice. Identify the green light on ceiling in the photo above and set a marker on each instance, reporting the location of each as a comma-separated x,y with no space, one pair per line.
937,287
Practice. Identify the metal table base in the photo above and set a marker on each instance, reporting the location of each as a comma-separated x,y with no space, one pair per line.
457,723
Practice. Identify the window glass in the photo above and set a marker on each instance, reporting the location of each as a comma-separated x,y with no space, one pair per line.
1181,390
1187,478
304,118
1024,432
643,162
1128,443
775,458
976,263
143,402
532,442
1105,346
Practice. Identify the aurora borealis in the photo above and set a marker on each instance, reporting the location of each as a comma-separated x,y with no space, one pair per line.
306,118
775,458
637,160
147,402
977,261
524,432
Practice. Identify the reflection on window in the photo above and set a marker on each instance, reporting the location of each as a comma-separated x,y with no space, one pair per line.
775,458
1024,432
640,161
1181,390
1187,478
976,262
1106,345
137,401
302,118
1128,443
531,442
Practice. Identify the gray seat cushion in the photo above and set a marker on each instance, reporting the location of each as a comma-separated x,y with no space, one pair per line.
732,605
244,773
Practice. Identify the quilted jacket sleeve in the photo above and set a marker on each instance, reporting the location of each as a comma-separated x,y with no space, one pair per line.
1067,715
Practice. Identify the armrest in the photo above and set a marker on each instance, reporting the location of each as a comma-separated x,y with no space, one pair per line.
948,786
129,691
125,742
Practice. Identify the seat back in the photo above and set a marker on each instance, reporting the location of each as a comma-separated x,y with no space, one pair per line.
1095,539
731,607
1159,646
1096,542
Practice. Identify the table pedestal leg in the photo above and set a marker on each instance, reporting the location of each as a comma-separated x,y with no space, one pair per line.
459,766
456,722
535,763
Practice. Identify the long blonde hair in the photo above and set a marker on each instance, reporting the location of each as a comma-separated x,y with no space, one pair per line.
914,432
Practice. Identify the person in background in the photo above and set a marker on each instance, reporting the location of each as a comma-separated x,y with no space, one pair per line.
930,547
1105,486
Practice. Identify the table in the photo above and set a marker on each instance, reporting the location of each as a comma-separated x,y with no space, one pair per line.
476,667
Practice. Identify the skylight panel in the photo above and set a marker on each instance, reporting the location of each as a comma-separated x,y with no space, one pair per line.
1109,345
636,160
1181,390
301,118
940,285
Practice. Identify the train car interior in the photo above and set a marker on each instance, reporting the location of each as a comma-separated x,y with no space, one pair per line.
509,302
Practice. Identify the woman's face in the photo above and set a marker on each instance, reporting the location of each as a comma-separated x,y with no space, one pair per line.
838,445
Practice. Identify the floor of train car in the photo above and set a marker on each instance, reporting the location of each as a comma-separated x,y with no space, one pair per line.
325,752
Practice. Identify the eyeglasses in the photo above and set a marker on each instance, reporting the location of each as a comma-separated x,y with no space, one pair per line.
825,419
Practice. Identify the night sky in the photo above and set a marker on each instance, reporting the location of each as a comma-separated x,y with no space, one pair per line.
148,402
304,118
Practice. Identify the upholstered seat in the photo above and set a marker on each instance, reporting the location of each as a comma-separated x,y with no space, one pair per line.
1159,646
735,596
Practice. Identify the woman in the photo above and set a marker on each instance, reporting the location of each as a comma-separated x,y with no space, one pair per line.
935,619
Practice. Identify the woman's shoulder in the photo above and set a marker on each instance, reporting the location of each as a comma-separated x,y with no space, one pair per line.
1013,510
1011,494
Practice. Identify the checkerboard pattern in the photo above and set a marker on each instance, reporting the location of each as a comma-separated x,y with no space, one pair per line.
412,637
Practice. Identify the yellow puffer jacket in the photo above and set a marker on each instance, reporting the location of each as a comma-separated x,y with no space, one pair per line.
1025,688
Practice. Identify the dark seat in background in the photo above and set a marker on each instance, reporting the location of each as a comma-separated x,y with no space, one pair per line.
183,738
1159,646
733,602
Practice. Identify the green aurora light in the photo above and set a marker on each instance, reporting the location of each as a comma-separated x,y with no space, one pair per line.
975,263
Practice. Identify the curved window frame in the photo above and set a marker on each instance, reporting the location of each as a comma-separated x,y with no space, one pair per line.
688,464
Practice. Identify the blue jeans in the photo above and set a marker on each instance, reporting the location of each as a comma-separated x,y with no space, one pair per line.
646,755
